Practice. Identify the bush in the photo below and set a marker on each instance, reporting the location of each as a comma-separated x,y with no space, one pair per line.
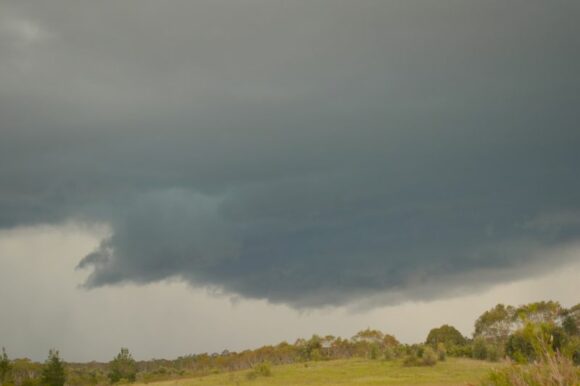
389,354
479,349
572,350
461,351
527,344
553,369
411,360
486,351
426,356
374,352
493,353
429,357
316,355
550,367
569,325
441,352
264,369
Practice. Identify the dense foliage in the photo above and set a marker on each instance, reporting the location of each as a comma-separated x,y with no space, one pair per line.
447,335
550,366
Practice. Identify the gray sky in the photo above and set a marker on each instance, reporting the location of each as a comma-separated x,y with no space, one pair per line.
293,155
42,307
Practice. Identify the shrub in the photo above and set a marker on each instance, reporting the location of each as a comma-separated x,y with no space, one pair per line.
550,368
569,325
429,357
572,350
519,349
493,353
374,352
527,344
263,369
461,351
411,360
419,349
426,356
389,354
316,355
479,349
441,352
554,369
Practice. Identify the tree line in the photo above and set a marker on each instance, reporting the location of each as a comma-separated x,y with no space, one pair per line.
520,333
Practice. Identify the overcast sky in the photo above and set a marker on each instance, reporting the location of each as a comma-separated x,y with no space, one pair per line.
262,170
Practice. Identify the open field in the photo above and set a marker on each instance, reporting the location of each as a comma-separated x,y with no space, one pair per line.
353,372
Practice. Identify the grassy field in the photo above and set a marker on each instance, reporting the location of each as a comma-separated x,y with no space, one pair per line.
352,372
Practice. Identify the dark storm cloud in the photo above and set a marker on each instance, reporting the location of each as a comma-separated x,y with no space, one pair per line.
303,152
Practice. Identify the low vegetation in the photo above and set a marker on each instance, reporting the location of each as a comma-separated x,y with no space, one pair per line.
551,369
354,371
533,344
261,370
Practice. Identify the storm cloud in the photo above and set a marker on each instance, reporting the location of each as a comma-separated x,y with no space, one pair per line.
307,153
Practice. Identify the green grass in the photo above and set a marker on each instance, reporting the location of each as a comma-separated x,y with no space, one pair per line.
352,372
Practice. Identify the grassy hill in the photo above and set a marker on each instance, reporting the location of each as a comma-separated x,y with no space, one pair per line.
352,372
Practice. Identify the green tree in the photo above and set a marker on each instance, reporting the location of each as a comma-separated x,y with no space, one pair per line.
530,342
479,349
446,334
53,370
571,320
572,349
570,326
539,312
495,324
25,372
5,367
123,367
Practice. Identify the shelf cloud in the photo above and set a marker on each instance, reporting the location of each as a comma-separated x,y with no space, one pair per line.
307,153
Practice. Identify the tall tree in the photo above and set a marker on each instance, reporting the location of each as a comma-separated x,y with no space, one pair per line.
495,324
123,367
5,367
53,371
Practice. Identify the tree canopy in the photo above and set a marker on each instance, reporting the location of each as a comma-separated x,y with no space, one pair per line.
495,324
446,334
